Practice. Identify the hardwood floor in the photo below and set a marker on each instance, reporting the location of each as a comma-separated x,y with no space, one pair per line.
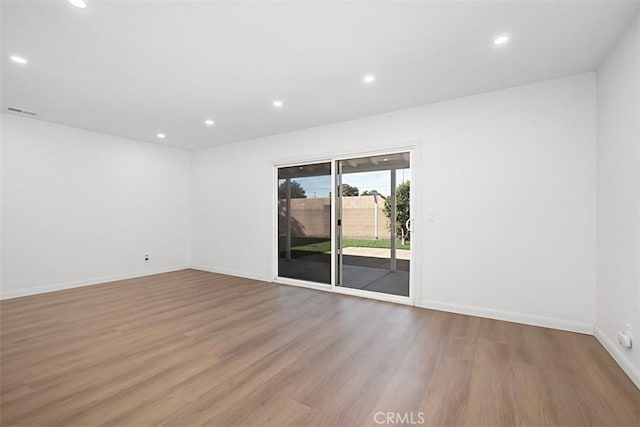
196,348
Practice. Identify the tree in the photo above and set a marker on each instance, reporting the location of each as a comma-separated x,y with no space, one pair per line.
348,190
402,210
369,193
297,191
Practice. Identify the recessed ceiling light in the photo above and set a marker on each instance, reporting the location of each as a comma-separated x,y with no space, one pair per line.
161,136
369,78
18,59
278,103
501,40
209,122
385,160
78,3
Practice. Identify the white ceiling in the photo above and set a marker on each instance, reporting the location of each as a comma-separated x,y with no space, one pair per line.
134,69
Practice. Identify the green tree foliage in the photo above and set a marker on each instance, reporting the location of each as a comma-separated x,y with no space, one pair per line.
402,210
297,191
348,190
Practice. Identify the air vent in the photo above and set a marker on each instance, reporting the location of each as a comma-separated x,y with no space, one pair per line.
19,111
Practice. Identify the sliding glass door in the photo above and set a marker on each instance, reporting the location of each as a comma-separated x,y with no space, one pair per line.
346,224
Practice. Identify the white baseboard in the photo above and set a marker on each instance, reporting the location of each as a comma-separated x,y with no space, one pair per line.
243,274
87,282
527,319
618,355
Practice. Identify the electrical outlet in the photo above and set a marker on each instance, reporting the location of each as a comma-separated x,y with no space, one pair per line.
624,340
146,257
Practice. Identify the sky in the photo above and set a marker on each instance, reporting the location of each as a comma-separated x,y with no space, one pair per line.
320,186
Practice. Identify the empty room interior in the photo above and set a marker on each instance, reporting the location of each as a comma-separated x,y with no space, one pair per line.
320,213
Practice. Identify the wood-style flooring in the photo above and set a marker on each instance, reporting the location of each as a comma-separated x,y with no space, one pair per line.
195,348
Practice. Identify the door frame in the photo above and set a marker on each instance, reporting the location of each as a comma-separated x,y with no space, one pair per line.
415,242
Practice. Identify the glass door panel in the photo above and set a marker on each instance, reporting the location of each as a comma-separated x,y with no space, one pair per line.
304,222
372,193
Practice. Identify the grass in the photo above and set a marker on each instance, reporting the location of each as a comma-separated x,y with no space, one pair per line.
385,244
325,245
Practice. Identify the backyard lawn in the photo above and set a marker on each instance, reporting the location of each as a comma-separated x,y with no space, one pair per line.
325,245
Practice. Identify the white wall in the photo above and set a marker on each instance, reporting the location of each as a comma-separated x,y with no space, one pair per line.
509,176
618,193
81,207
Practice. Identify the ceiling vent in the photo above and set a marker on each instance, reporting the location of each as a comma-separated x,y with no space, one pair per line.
19,111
